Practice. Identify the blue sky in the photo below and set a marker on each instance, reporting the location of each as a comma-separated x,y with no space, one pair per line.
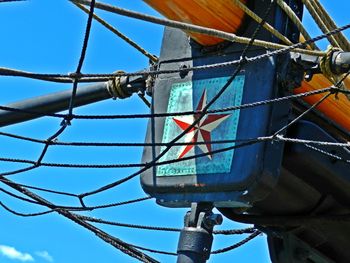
46,36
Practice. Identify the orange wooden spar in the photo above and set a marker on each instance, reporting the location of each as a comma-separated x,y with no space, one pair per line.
226,16
336,108
218,14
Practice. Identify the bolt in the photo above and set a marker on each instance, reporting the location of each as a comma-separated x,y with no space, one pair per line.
213,219
183,73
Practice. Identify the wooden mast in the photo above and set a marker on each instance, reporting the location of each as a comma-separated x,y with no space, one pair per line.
226,16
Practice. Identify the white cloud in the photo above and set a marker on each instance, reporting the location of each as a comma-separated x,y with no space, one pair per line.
13,253
45,255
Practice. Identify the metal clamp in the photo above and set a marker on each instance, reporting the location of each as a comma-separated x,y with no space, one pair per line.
196,237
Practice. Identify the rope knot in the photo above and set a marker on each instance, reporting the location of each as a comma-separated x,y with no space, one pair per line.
75,75
243,60
67,121
114,87
326,69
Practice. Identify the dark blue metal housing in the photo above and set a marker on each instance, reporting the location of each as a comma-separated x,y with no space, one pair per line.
254,169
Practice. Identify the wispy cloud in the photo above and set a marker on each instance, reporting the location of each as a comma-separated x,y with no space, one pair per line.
45,255
13,253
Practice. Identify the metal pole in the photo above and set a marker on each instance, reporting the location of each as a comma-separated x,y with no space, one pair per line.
52,103
59,101
196,237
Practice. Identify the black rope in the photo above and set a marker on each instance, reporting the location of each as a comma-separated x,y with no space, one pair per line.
332,155
23,214
166,229
117,243
147,164
77,73
183,113
215,252
41,189
67,118
79,77
318,103
151,164
237,245
18,171
124,247
7,1
315,105
196,121
154,250
71,208
122,36
113,223
289,220
204,111
106,77
18,197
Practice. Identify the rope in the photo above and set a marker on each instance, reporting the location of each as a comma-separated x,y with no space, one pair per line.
151,164
320,21
8,1
297,22
173,114
239,244
258,19
325,66
106,77
122,246
147,166
114,144
333,156
276,137
338,84
101,221
117,243
215,252
166,229
321,143
340,38
23,214
79,77
271,220
194,28
41,189
71,208
155,160
18,171
151,57
319,102
115,89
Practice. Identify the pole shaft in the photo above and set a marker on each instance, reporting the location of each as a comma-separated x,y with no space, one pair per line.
53,103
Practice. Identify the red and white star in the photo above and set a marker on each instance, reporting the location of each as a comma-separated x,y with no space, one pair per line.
201,132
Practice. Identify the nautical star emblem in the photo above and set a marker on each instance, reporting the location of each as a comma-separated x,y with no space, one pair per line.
201,132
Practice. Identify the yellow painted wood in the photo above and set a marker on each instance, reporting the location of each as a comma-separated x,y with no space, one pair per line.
219,14
225,16
337,109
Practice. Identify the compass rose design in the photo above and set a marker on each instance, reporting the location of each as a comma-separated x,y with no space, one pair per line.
201,132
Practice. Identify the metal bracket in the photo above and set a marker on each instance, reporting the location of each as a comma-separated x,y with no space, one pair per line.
196,237
339,62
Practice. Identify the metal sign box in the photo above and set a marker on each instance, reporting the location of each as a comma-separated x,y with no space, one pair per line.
234,172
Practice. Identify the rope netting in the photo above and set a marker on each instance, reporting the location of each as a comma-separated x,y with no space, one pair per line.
102,162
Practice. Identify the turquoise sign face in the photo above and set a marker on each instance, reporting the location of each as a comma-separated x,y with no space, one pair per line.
221,126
